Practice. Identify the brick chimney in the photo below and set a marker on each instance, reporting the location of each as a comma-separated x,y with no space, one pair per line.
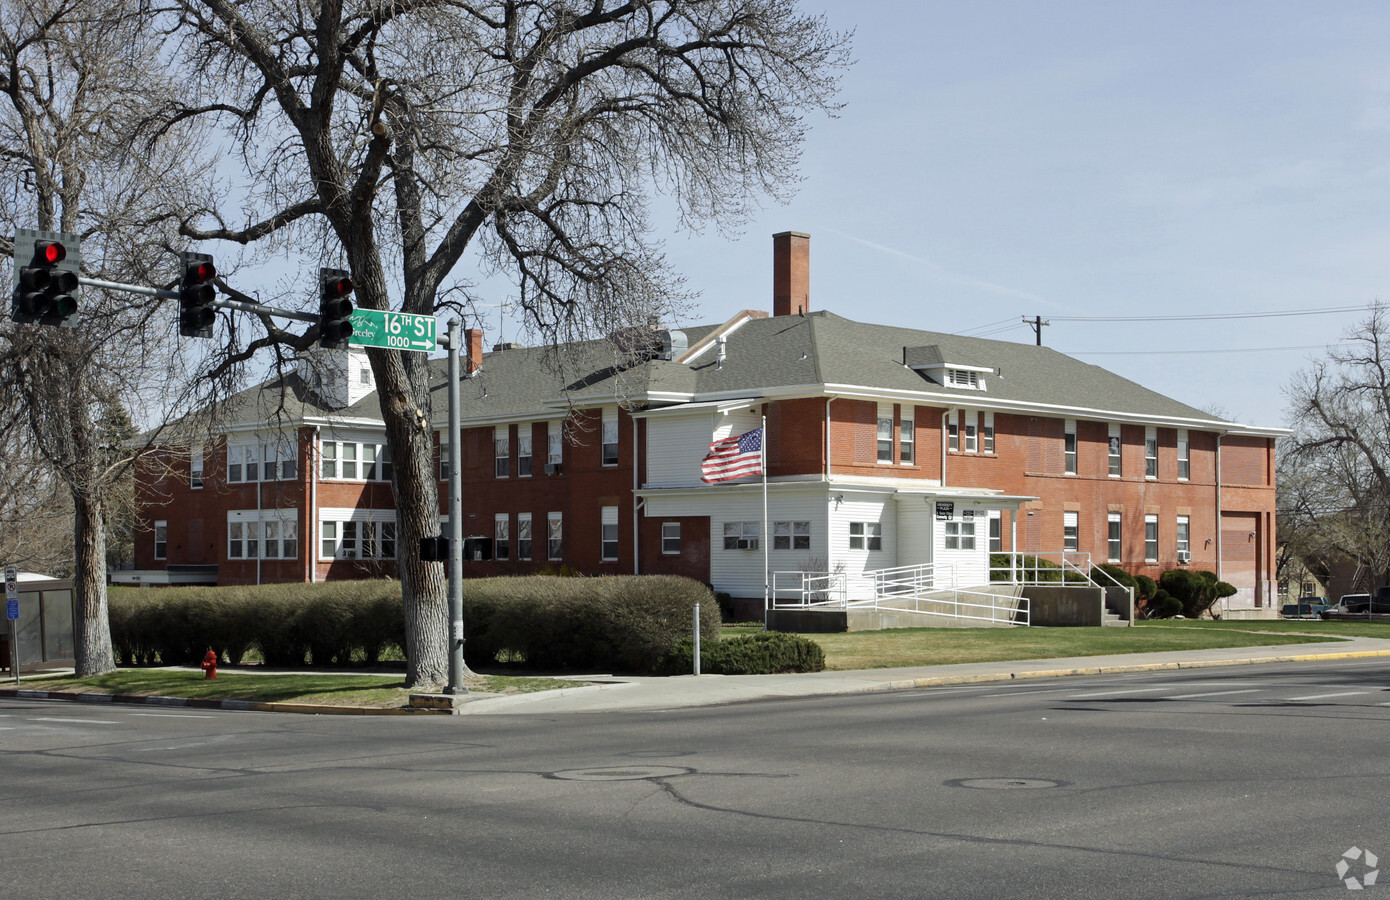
791,273
473,341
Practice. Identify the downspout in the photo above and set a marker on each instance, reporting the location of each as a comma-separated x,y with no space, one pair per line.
944,426
260,526
313,542
1219,573
636,501
828,401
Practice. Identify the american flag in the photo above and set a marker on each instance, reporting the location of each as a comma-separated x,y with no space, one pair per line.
733,457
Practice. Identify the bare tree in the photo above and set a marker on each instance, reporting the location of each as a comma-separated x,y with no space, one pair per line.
1334,485
401,137
78,78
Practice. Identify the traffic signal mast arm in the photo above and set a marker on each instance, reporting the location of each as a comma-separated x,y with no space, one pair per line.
220,302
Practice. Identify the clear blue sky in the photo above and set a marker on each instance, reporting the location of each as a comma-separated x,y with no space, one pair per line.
1002,159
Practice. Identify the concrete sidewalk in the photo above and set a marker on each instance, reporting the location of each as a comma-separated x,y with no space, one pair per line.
649,693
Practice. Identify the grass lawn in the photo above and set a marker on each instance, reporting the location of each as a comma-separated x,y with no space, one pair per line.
1305,626
325,689
944,646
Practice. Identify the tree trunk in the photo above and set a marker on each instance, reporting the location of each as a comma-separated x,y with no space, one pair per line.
92,630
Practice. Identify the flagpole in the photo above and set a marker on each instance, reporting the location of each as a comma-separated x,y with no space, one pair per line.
767,536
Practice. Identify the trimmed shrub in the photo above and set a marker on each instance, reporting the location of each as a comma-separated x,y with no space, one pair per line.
1124,578
1144,587
1196,590
764,653
1036,568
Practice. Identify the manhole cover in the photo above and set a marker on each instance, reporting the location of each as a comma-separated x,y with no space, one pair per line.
624,773
1005,784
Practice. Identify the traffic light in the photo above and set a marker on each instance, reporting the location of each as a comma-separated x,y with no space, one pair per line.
335,308
44,290
196,293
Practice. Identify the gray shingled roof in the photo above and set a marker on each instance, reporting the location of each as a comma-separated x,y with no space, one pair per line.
810,351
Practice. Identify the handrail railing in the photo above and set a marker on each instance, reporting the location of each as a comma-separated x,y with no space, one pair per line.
807,590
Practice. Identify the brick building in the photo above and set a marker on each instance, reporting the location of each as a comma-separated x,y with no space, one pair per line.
886,446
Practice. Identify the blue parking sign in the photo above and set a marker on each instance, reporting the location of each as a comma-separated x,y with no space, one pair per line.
12,609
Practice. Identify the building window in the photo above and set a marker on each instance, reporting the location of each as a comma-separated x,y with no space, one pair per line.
1184,457
610,437
996,533
501,451
1069,447
554,447
885,438
741,535
270,531
791,535
963,379
608,534
1115,470
195,468
1151,538
328,467
906,442
1070,530
523,450
243,540
989,433
357,540
347,546
383,455
1150,453
330,540
369,468
971,439
670,538
236,470
523,536
865,536
279,462
378,540
960,535
501,542
346,460
1112,543
554,535
952,434
161,540
1184,539
443,456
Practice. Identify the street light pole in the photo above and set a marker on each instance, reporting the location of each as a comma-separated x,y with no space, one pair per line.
457,667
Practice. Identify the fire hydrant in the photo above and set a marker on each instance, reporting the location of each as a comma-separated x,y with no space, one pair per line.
210,664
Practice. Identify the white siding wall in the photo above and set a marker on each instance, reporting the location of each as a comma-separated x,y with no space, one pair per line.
863,508
677,442
915,530
972,566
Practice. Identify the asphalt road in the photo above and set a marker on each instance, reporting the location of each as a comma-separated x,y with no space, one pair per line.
1243,782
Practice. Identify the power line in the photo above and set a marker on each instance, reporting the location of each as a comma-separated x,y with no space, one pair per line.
1177,352
1210,316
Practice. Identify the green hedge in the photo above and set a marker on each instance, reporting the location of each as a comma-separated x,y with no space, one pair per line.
621,623
764,653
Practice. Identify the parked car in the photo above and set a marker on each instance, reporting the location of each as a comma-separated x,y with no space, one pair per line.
1353,603
1307,608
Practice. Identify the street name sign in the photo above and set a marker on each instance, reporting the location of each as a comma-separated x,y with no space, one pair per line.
394,330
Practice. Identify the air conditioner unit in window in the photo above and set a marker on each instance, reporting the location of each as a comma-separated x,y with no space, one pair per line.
1184,557
553,468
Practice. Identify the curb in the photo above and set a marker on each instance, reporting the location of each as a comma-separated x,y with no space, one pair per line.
195,703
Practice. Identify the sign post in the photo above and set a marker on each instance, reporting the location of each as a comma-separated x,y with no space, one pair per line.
12,615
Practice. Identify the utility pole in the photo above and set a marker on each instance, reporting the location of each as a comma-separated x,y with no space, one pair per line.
1036,323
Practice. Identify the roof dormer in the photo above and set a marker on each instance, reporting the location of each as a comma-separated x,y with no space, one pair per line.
931,363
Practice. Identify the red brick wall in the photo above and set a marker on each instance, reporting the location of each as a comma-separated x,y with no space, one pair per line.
796,437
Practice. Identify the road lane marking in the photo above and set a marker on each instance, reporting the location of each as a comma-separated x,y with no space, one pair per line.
76,721
173,716
1024,692
1328,696
1211,694
1147,690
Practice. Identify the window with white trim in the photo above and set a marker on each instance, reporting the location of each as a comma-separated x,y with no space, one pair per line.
443,456
960,535
988,440
670,538
357,539
609,448
262,534
996,532
1115,448
161,540
554,536
952,434
962,378
1151,538
1183,533
195,468
1071,530
1069,447
1150,452
1184,456
741,535
554,444
791,535
523,450
907,442
1113,544
501,540
523,536
608,534
279,462
884,437
359,461
971,439
865,535
501,451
